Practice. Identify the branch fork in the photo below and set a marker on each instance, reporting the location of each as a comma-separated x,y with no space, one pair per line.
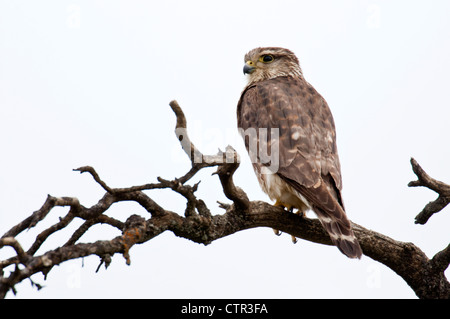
425,180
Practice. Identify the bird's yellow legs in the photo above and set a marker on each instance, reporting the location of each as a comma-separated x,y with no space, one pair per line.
278,204
290,209
302,214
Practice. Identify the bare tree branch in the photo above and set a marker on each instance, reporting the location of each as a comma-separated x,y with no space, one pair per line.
441,260
439,187
425,276
94,174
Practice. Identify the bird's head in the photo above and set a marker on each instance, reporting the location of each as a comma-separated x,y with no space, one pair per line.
270,62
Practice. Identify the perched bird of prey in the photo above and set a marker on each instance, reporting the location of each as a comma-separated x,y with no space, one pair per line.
281,114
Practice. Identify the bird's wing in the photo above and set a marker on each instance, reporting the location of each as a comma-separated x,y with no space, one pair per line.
307,138
308,158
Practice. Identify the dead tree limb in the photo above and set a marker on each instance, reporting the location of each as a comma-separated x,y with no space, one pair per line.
439,187
425,276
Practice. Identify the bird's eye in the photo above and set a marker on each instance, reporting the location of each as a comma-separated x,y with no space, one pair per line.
266,58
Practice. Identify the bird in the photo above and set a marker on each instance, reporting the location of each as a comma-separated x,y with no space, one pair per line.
281,114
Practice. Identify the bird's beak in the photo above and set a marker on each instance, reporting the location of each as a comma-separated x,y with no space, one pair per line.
249,67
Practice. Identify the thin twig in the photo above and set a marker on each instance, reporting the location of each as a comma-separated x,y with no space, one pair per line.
94,174
12,242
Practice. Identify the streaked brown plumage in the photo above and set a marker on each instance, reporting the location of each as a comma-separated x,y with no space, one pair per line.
307,175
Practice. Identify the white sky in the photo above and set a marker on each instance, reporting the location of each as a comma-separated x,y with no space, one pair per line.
89,82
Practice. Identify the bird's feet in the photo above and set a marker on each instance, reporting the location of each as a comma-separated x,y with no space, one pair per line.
290,209
294,239
278,204
302,214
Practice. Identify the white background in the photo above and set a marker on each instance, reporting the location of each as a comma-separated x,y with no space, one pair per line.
89,82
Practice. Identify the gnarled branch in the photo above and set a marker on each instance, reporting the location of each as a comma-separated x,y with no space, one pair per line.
439,187
425,276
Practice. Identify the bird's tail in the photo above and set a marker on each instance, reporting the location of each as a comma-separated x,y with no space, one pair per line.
327,205
339,228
